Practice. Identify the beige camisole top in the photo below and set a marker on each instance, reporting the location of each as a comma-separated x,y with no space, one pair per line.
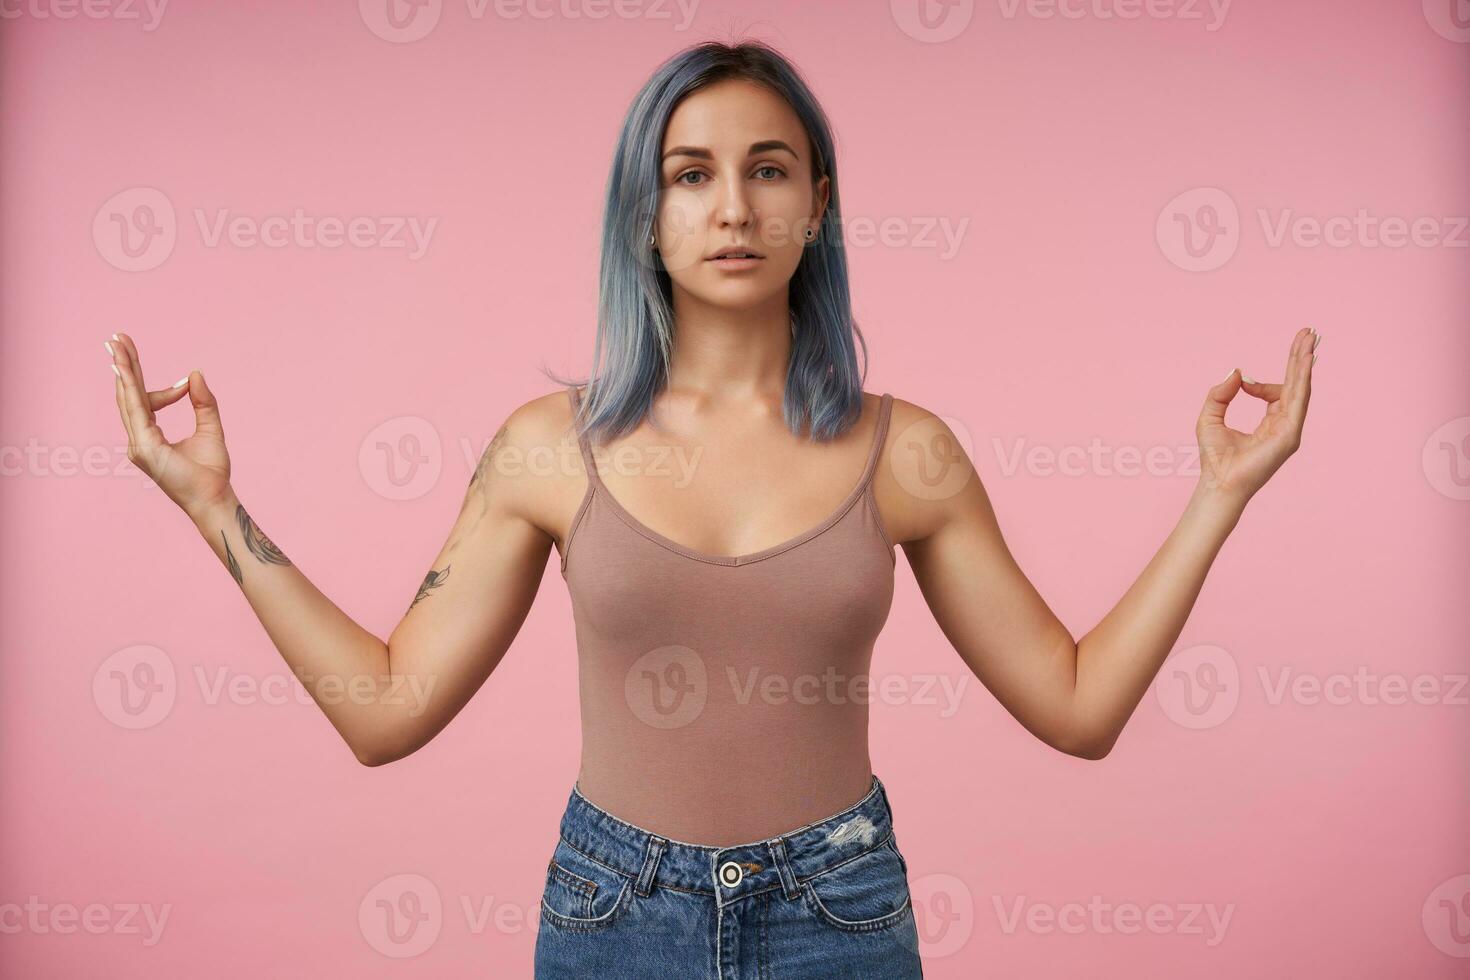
724,698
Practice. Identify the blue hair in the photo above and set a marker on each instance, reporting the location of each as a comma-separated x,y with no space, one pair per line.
635,324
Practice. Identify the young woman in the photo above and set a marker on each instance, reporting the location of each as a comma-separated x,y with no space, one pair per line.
725,499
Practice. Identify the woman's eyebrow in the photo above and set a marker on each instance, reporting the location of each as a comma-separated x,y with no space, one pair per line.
763,146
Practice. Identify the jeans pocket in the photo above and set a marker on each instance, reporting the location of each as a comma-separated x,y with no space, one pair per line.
581,893
868,892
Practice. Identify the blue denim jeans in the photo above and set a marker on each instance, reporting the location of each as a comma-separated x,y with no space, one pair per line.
827,900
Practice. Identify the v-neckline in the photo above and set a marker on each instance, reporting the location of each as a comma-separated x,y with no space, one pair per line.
853,496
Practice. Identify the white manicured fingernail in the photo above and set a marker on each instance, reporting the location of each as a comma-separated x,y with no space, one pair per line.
117,338
1249,378
116,371
108,345
1317,341
1228,376
181,382
1314,358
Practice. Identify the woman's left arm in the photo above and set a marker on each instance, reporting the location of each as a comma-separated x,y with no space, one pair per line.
1076,696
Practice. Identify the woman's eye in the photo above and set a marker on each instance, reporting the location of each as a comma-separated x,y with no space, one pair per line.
774,172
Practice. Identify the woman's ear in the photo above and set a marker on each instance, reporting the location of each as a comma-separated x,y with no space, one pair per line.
823,187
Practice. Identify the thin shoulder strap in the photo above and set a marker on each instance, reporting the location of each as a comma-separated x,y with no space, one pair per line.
885,409
587,459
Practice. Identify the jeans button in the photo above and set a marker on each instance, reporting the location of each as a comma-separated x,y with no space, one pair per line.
730,874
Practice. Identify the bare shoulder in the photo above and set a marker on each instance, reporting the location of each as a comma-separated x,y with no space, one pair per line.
532,465
925,476
543,420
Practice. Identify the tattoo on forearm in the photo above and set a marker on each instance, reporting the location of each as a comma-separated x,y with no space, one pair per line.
262,547
431,581
230,562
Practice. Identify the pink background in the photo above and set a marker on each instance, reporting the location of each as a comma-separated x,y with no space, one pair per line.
1331,834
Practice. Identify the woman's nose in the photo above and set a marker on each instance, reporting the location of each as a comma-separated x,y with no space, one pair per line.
734,205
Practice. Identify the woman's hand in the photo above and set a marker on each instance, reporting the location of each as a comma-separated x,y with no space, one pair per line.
194,471
1239,463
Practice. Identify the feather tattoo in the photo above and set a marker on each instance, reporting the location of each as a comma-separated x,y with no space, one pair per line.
431,581
230,562
262,547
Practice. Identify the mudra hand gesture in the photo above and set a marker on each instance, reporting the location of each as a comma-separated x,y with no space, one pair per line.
1239,463
193,471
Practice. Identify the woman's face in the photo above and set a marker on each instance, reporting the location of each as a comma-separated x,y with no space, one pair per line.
735,173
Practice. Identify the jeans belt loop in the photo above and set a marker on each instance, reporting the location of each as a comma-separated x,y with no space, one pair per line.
782,862
651,855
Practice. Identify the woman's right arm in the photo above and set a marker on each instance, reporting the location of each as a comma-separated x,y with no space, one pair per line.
386,699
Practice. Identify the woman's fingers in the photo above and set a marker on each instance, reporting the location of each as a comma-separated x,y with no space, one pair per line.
131,349
114,351
144,435
1292,375
167,396
1298,386
1218,398
1302,393
1298,373
206,409
1260,389
138,411
156,399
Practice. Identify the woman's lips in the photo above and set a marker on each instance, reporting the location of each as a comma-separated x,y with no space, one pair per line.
734,265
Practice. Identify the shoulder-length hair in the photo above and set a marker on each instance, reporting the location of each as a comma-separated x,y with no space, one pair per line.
635,322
